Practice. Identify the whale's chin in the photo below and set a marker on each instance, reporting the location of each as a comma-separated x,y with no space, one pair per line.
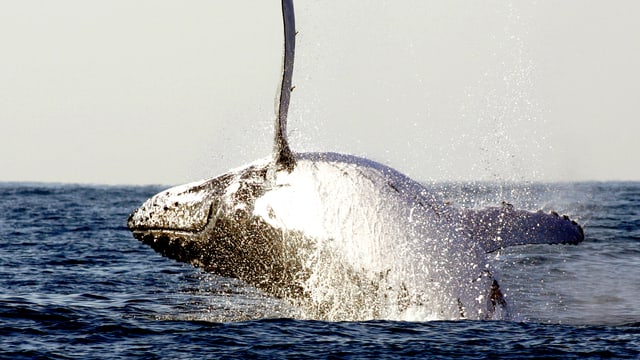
175,245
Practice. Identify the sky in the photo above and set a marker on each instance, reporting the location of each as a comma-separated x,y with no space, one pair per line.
167,91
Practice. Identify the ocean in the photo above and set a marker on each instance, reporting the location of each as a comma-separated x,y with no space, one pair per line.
74,284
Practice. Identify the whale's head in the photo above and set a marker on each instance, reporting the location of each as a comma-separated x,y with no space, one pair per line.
210,224
184,209
174,222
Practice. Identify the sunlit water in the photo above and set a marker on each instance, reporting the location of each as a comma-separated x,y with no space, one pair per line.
75,284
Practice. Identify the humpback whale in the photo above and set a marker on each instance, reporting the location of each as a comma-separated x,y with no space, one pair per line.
342,237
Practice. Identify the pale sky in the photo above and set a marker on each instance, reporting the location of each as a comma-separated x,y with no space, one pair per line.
167,91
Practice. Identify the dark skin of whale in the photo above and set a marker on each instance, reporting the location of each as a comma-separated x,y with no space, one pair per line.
236,245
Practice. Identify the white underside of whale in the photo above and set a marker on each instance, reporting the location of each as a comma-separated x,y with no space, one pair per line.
389,228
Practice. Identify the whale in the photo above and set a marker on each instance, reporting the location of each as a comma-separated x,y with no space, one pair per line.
342,237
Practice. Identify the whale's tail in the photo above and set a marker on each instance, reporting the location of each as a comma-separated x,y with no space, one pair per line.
283,156
495,228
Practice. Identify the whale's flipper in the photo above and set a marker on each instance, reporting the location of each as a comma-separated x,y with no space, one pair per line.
495,228
283,156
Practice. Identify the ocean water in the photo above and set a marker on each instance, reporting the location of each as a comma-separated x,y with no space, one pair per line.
74,284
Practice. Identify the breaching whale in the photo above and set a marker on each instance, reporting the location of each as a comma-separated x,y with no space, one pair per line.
339,236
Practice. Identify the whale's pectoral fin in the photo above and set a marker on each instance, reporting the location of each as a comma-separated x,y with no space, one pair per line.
499,227
283,156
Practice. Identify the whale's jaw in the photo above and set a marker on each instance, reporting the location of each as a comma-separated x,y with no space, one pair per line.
239,249
174,222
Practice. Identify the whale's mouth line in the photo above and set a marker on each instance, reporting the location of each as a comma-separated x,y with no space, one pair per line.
140,230
159,232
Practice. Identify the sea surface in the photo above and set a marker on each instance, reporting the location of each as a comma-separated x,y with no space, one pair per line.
74,284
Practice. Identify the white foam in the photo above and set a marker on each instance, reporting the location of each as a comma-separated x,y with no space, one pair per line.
367,220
